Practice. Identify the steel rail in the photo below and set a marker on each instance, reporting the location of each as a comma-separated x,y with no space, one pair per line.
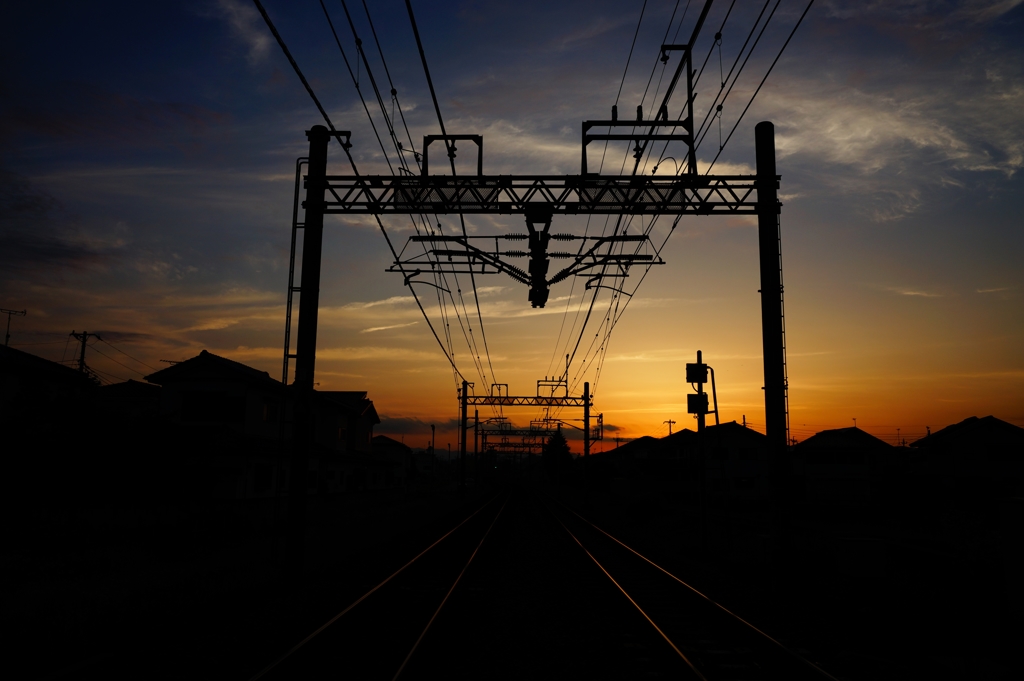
447,595
369,593
707,598
635,604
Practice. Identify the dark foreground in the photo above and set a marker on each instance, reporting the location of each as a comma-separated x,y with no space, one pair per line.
527,591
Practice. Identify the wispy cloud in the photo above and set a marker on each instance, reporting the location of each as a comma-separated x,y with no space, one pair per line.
393,300
912,292
993,290
247,25
385,328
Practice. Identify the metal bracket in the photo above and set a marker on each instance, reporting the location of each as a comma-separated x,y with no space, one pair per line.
478,139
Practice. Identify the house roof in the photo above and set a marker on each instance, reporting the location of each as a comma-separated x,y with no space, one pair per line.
207,365
20,363
129,391
383,443
987,431
843,438
729,433
353,400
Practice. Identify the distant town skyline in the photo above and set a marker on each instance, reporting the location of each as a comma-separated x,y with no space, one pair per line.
148,158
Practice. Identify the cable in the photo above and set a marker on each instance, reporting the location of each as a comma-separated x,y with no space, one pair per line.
451,158
129,356
298,72
394,90
295,66
760,84
95,349
356,81
734,80
455,373
630,56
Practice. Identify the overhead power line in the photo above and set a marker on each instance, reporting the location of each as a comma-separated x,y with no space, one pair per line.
451,158
129,356
774,62
330,125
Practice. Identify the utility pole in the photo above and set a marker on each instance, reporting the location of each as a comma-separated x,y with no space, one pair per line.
670,423
83,338
476,446
10,313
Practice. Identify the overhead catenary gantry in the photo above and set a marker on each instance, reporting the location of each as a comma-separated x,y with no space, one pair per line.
542,198
532,438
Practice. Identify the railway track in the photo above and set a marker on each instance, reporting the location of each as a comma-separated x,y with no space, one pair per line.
377,634
712,641
526,588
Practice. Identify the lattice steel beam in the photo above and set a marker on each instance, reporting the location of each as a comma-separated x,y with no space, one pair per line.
530,401
564,194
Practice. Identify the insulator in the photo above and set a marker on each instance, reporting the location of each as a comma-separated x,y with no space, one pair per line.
564,237
560,254
515,254
514,237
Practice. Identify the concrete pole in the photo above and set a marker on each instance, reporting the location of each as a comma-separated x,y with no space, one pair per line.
771,322
305,352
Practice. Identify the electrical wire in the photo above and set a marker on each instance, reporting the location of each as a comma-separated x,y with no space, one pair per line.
129,356
747,107
451,158
398,147
97,350
298,72
355,80
734,80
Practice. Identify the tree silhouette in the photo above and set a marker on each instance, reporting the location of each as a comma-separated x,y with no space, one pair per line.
557,457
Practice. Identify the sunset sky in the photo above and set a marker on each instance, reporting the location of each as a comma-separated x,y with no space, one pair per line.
148,155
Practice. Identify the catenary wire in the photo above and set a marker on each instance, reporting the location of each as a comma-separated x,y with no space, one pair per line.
398,150
747,107
738,73
451,158
442,305
327,119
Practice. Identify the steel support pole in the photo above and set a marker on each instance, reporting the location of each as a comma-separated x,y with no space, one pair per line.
305,347
476,447
771,319
464,426
702,452
586,440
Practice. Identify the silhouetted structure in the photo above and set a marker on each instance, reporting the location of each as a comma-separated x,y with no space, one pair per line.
844,464
130,400
27,381
976,457
239,418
